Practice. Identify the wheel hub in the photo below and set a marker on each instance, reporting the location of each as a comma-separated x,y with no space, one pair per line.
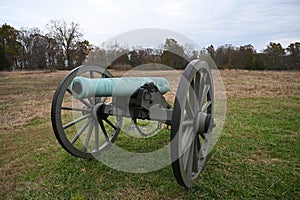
86,110
201,122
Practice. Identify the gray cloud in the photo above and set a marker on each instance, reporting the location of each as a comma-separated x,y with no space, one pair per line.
236,22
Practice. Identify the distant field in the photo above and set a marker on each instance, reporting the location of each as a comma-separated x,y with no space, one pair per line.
256,157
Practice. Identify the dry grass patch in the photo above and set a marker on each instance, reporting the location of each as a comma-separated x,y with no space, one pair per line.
27,95
32,164
243,83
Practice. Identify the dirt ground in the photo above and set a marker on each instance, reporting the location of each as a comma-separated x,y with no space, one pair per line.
26,95
265,84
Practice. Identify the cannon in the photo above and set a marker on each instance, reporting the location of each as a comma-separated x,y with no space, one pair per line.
98,102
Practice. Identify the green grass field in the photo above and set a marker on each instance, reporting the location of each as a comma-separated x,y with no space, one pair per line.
256,157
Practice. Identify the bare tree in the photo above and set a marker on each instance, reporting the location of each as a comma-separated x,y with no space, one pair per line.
34,53
68,35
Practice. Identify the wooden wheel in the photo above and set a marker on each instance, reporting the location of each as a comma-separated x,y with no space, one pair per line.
75,122
192,122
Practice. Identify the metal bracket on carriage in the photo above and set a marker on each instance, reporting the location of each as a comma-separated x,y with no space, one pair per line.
147,103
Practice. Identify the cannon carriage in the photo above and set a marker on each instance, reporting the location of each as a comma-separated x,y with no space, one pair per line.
100,102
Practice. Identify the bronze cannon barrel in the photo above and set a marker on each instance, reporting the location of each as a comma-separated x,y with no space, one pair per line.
83,87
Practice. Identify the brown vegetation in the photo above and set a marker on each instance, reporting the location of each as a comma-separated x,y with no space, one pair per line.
27,95
265,84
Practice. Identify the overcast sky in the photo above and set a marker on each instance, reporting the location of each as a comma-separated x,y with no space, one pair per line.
217,22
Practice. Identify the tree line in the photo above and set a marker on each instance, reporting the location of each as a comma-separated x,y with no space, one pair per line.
63,47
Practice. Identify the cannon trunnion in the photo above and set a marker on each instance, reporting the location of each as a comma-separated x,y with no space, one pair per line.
89,105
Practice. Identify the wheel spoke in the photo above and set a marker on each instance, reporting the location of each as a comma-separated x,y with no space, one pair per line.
69,91
204,146
87,139
85,103
201,153
186,139
80,131
81,100
204,94
110,123
193,83
189,110
75,109
198,144
96,136
192,96
203,77
92,74
206,106
197,84
186,146
185,159
188,123
99,99
195,154
91,100
103,130
190,160
76,121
